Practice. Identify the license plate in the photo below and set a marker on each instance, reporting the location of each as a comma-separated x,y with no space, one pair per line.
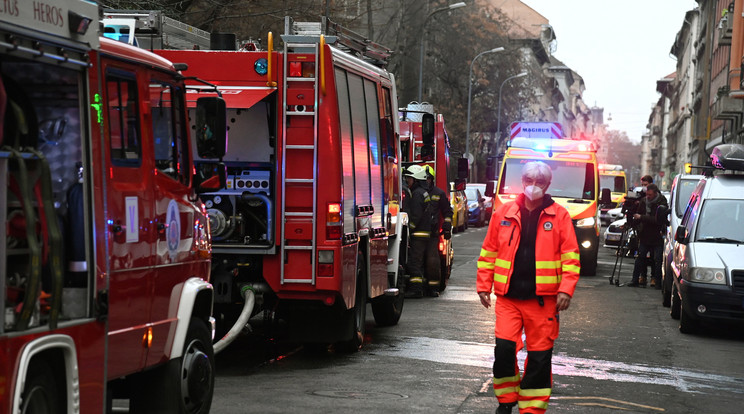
613,237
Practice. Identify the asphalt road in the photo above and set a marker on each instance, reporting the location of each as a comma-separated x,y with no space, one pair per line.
619,351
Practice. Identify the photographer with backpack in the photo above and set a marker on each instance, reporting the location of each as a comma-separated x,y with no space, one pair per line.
650,216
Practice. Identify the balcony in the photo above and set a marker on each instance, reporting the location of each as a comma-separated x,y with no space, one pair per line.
725,28
727,108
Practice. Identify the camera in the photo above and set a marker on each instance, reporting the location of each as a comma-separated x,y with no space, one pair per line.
631,203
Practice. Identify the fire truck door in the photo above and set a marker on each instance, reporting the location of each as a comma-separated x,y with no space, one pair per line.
129,214
174,214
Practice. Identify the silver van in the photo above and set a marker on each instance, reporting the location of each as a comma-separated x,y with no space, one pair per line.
708,265
682,187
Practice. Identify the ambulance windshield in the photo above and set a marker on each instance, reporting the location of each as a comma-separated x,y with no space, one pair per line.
571,179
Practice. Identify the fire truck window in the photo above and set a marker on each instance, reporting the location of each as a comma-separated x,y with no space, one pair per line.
171,156
361,144
124,131
373,134
347,152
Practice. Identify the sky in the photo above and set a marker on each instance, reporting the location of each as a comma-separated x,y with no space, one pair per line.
620,49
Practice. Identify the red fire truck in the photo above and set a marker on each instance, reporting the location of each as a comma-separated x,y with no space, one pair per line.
424,141
105,258
310,219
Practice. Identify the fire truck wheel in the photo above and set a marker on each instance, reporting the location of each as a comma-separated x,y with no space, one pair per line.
387,309
40,393
183,385
359,312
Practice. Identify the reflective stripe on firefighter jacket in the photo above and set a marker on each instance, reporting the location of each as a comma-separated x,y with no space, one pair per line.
556,251
442,209
420,212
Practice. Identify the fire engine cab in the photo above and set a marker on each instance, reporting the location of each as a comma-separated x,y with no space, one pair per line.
310,221
105,257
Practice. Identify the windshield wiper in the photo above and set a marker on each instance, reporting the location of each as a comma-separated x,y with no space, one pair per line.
722,240
579,201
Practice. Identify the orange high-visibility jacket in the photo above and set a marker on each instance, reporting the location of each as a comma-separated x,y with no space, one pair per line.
556,251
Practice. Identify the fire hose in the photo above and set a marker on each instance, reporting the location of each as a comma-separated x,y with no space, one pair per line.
245,315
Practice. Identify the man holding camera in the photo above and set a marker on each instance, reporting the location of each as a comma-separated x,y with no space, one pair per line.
650,218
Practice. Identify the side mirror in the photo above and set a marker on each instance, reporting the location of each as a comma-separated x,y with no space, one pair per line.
491,163
462,169
427,137
460,183
211,127
681,235
210,177
490,187
606,197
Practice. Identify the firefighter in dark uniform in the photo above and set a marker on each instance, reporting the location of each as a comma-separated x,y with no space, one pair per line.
441,224
419,223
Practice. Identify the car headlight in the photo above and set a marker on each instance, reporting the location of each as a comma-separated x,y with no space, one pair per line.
707,275
585,222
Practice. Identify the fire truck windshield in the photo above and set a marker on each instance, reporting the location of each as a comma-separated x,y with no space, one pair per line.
571,179
616,183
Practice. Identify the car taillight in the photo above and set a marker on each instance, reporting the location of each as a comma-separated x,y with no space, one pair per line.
333,221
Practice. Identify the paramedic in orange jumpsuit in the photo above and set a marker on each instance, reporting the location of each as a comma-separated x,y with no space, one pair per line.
530,261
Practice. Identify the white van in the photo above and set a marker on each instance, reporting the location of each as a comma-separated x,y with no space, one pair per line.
708,265
682,187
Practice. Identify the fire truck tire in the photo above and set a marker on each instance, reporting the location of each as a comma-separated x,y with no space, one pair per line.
358,313
387,309
183,385
40,393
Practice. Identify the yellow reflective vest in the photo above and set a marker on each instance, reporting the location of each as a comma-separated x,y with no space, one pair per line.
556,251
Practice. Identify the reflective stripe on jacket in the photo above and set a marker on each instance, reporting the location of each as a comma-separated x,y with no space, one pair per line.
556,251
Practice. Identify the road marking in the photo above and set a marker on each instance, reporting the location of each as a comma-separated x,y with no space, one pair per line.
561,397
476,354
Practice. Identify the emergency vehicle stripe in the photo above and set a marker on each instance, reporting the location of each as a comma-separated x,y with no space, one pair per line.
547,264
488,253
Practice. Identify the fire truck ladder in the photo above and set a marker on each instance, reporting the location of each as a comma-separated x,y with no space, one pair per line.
295,184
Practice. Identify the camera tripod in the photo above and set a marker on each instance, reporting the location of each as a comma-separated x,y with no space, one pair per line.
622,249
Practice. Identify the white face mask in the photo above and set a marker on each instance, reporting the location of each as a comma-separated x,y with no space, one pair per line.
533,192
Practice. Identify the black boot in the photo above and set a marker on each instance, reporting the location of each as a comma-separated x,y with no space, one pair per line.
505,408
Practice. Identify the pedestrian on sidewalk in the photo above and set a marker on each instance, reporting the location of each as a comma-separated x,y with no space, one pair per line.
530,261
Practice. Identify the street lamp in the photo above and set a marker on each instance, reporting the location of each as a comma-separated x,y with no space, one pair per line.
498,125
423,31
470,88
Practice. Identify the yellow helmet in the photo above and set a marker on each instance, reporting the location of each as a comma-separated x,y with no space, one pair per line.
430,171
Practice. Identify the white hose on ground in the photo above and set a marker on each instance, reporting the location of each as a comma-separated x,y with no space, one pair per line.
245,315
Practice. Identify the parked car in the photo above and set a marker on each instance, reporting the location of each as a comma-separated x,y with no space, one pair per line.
459,202
476,207
613,233
708,261
682,187
488,203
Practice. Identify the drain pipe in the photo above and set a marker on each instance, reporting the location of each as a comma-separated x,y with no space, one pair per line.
245,315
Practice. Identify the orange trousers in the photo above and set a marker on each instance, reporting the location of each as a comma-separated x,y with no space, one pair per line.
539,320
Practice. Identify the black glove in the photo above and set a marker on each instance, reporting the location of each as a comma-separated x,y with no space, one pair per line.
447,230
